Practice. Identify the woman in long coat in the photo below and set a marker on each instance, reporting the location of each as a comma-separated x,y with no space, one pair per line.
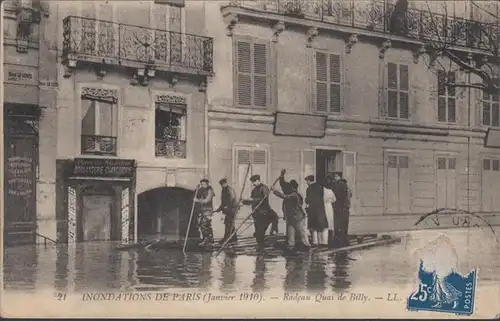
317,222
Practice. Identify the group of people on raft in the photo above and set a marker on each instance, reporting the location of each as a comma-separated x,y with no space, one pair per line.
324,222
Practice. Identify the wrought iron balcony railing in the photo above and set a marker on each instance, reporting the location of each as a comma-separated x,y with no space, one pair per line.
170,148
94,40
383,17
99,145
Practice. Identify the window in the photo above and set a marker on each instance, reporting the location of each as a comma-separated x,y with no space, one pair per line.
398,91
170,130
169,45
491,114
257,159
446,97
99,121
328,82
252,74
490,189
99,35
397,180
446,182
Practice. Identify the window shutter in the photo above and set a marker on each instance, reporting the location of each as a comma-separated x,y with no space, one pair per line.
259,164
243,73
451,191
404,184
335,84
391,184
404,108
452,110
441,183
392,90
243,159
321,82
382,91
442,109
260,85
479,106
88,120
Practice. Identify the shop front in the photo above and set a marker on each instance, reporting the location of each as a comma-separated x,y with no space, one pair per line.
99,195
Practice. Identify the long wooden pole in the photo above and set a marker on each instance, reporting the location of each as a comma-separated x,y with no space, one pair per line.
246,219
190,219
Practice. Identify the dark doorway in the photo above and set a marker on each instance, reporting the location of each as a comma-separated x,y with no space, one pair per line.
164,213
326,162
21,162
98,216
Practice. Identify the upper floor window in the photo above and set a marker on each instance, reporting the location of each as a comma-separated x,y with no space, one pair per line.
170,129
397,91
446,97
99,121
491,114
328,82
252,73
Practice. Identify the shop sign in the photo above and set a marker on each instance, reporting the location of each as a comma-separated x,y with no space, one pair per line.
93,167
19,179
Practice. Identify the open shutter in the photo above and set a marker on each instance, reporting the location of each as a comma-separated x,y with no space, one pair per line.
243,73
392,90
260,81
260,164
451,182
404,184
71,215
335,84
382,91
308,165
404,90
391,184
125,213
321,82
349,173
441,93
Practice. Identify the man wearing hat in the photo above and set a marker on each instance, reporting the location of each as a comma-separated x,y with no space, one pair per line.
229,207
262,215
204,210
317,222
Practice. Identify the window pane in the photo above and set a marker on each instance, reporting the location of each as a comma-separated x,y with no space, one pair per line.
442,109
452,163
105,119
403,161
486,164
392,75
392,98
392,162
88,121
403,105
496,165
441,83
495,116
486,114
441,162
403,80
451,110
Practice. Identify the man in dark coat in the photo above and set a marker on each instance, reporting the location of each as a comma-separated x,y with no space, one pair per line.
229,206
263,213
293,212
316,216
204,210
341,210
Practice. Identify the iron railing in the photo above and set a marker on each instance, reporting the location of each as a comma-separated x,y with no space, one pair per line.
100,145
170,148
383,17
85,38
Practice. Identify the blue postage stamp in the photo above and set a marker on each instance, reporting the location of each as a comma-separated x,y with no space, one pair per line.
438,292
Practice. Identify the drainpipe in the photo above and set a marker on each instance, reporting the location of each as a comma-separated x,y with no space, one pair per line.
1,103
207,140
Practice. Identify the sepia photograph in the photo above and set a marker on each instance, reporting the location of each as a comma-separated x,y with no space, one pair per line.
250,158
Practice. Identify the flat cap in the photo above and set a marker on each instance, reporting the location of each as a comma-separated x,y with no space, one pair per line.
254,178
223,181
204,181
310,178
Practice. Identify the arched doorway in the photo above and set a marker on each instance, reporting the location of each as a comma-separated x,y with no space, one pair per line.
164,213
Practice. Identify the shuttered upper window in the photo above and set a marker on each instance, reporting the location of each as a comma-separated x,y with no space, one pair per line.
446,97
398,91
328,82
252,73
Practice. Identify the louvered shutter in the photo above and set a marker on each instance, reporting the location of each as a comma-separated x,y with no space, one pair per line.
391,184
452,98
321,82
392,90
260,165
243,159
404,184
441,96
383,90
260,82
451,183
335,83
441,182
404,108
243,73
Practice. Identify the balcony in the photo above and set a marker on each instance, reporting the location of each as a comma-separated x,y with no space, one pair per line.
170,148
383,18
98,145
109,43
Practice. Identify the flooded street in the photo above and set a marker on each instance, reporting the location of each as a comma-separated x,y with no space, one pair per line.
100,267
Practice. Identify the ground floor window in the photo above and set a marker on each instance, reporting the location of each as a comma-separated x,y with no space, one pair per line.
257,159
397,183
446,182
490,189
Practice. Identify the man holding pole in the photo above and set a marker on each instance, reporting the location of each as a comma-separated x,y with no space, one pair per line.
204,210
262,212
229,207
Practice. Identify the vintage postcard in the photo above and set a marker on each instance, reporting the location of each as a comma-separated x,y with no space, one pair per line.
250,158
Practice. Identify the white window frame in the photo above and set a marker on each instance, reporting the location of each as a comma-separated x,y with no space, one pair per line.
398,153
398,90
314,108
79,118
490,103
234,166
446,98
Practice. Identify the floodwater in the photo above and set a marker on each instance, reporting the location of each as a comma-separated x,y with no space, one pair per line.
100,267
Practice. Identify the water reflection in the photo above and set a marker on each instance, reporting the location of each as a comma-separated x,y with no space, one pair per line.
100,267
